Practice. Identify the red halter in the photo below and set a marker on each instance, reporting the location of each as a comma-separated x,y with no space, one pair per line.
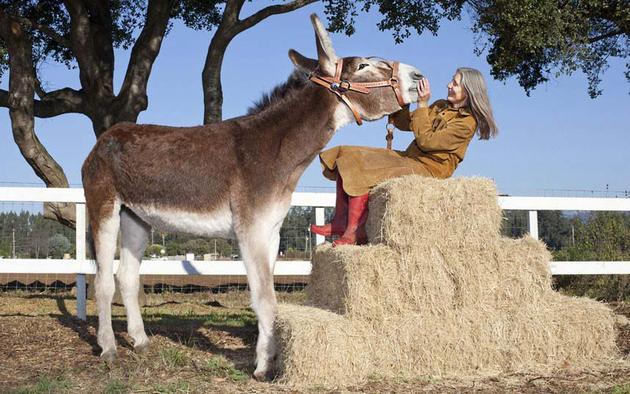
340,87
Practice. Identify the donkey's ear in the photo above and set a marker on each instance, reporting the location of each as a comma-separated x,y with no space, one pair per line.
326,56
302,62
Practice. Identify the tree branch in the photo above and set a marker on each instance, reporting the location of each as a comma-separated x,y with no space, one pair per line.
269,11
53,35
229,28
79,36
79,28
604,36
475,5
58,102
133,93
232,12
91,47
38,86
211,74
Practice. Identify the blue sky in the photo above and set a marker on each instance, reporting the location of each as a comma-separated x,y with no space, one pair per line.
558,138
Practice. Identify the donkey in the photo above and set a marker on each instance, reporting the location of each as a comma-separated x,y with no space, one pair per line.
229,179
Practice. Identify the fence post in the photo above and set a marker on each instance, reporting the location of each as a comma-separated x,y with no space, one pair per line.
80,257
533,224
319,220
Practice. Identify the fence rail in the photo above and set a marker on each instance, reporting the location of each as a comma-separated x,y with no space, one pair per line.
82,266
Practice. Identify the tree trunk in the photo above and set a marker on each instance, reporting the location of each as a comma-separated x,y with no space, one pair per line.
105,109
102,118
21,111
211,78
92,44
229,28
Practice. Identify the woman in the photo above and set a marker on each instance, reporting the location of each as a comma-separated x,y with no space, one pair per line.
442,134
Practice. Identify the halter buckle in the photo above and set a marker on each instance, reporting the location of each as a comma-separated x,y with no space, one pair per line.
341,86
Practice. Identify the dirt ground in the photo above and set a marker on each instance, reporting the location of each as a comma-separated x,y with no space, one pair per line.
204,343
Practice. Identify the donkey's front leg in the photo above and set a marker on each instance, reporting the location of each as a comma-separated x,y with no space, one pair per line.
259,253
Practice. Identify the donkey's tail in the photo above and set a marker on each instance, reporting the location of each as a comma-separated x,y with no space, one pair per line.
89,240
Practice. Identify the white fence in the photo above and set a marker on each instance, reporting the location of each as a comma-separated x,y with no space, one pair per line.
81,266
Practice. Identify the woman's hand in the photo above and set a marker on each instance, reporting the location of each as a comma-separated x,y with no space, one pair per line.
400,119
424,92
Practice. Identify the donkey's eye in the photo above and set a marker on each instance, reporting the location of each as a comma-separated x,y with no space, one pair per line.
363,65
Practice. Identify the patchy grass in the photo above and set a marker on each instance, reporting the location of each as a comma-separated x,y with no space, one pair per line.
46,385
202,344
242,319
374,377
172,388
226,319
220,367
173,358
621,389
115,386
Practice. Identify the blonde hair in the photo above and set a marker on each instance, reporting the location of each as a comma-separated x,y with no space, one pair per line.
478,101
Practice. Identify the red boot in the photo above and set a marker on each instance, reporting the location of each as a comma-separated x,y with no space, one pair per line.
357,216
338,224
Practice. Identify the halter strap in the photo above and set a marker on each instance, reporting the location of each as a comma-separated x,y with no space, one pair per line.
339,87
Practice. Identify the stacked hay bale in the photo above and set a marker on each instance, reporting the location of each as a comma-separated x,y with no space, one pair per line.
437,292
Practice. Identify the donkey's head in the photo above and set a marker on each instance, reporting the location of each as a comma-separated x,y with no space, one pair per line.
372,87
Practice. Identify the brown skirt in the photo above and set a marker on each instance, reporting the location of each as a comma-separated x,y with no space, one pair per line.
362,168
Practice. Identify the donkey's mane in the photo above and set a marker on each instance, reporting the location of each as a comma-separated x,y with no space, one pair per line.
296,81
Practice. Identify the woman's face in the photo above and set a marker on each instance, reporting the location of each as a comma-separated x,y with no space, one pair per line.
456,93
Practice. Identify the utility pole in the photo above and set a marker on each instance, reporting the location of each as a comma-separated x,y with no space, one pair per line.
13,243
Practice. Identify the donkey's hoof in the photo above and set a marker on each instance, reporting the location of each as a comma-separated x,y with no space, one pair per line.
264,376
261,376
142,347
109,356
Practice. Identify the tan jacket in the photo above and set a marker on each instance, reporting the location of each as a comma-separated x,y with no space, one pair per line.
442,136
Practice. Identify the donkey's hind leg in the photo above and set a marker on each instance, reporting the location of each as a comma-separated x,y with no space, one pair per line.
134,235
105,232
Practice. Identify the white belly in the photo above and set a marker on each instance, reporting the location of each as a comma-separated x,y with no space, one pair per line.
215,224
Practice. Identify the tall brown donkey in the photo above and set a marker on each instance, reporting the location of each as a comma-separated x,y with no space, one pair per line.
231,179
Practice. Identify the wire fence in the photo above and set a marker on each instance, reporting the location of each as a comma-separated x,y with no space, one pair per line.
604,193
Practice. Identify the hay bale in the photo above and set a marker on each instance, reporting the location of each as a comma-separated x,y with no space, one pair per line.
523,270
414,211
558,332
376,282
320,347
350,280
440,293
514,271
